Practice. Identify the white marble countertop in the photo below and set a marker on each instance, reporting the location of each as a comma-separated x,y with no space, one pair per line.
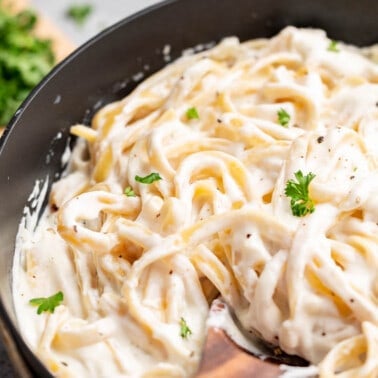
105,13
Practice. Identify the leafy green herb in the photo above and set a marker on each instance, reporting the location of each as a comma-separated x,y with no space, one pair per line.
283,117
185,331
129,192
192,113
149,179
301,203
47,304
79,13
24,60
333,46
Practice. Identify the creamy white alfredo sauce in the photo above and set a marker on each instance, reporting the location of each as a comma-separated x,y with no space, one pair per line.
223,132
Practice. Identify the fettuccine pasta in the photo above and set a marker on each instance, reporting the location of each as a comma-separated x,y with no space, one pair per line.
178,194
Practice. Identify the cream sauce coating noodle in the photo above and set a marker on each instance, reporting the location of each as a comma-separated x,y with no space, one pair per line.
134,267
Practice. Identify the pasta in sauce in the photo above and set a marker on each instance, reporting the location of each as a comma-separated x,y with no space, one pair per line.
137,266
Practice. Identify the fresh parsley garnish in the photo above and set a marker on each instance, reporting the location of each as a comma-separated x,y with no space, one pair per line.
79,13
283,117
333,46
149,179
129,192
192,113
24,60
301,203
47,304
185,331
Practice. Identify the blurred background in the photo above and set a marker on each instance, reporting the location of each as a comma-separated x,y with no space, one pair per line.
68,23
103,14
32,42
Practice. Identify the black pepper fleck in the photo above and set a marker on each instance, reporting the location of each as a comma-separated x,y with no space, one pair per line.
54,207
248,236
351,177
320,139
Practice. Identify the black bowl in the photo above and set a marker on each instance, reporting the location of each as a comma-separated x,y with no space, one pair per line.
102,70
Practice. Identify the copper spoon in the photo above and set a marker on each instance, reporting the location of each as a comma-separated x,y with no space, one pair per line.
223,358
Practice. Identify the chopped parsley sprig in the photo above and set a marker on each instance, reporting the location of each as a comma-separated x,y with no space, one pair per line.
47,304
283,117
333,46
301,203
79,13
192,113
129,192
149,179
185,331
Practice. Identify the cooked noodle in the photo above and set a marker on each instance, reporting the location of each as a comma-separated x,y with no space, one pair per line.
218,222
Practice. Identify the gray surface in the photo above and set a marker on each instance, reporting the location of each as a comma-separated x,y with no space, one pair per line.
105,13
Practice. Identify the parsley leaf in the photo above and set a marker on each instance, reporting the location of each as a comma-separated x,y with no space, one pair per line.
185,331
47,304
283,117
129,192
333,46
192,113
79,13
301,203
24,60
149,179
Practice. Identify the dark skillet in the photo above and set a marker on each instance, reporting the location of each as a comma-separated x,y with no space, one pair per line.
99,72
